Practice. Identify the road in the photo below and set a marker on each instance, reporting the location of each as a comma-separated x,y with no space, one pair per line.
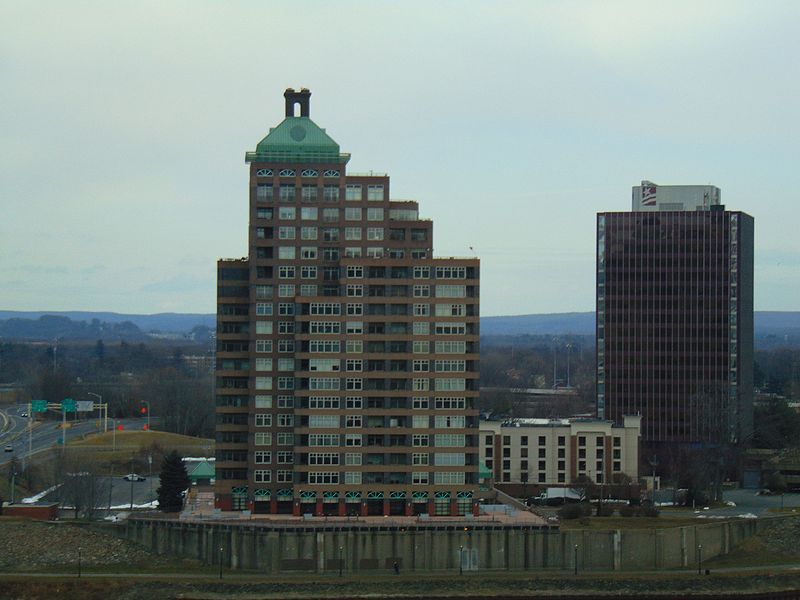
46,434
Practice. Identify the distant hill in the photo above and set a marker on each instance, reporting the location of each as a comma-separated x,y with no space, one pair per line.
772,329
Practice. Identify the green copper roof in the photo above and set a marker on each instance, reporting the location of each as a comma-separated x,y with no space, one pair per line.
297,139
202,471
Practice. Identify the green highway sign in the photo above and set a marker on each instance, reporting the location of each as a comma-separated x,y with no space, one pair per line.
68,405
38,405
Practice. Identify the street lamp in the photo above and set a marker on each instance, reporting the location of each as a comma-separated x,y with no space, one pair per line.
576,559
340,560
100,398
147,403
699,558
220,562
461,559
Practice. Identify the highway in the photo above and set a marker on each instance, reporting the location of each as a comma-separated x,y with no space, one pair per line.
47,434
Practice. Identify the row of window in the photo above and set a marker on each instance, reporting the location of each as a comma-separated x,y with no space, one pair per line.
287,191
357,421
357,346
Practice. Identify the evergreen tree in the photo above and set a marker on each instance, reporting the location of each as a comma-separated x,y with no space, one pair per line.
173,482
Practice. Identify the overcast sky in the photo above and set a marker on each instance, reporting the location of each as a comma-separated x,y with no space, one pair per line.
123,128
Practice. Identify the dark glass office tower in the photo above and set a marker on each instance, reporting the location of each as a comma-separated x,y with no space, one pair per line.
675,316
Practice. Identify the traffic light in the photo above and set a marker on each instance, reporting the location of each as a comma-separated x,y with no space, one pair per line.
145,427
120,427
143,410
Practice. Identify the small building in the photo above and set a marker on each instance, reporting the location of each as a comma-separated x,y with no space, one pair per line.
42,512
202,473
559,452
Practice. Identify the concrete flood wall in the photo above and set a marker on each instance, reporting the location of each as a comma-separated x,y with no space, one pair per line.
432,547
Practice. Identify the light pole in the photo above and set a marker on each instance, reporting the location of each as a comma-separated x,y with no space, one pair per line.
699,558
147,403
132,478
220,562
461,559
100,398
576,559
340,560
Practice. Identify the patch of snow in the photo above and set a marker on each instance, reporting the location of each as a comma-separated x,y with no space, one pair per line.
730,503
40,495
153,504
747,516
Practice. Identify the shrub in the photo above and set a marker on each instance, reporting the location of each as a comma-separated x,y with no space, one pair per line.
570,511
627,511
606,510
649,510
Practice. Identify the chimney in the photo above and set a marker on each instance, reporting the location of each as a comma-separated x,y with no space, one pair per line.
303,98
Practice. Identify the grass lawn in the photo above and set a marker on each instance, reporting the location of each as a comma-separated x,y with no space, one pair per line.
603,523
99,447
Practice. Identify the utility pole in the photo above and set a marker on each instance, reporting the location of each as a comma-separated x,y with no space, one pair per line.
132,478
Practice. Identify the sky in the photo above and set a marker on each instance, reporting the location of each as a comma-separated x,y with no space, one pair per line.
123,128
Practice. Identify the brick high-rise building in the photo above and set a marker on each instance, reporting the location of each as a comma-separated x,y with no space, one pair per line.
347,356
675,316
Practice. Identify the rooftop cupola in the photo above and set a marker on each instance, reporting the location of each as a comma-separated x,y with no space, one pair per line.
293,98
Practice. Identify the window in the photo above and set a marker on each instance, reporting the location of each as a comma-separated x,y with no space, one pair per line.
419,403
421,328
450,385
374,233
374,252
448,347
352,252
283,476
449,421
286,272
352,233
352,213
285,401
285,457
351,402
420,422
451,291
421,366
285,439
450,328
323,383
323,402
354,327
263,401
286,309
323,458
263,420
286,192
352,421
374,192
354,310
308,233
307,273
355,290
286,233
323,439
263,327
309,193
263,457
323,346
419,458
264,192
354,364
286,213
263,345
422,310
352,458
324,327
263,309
262,476
452,404
352,477
374,214
308,253
451,310
331,215
450,440
263,383
263,438
419,478
450,459
263,364
352,439
286,290
421,347
308,213
324,364
422,272
285,364
286,252
330,234
420,385
285,383
330,193
354,346
355,272
419,439
451,272
450,366
354,383
352,192
285,345
325,308
422,291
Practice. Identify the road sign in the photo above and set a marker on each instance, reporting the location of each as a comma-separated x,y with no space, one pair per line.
68,405
38,405
85,405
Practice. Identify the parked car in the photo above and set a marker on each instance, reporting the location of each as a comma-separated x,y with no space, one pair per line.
23,414
133,477
9,448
